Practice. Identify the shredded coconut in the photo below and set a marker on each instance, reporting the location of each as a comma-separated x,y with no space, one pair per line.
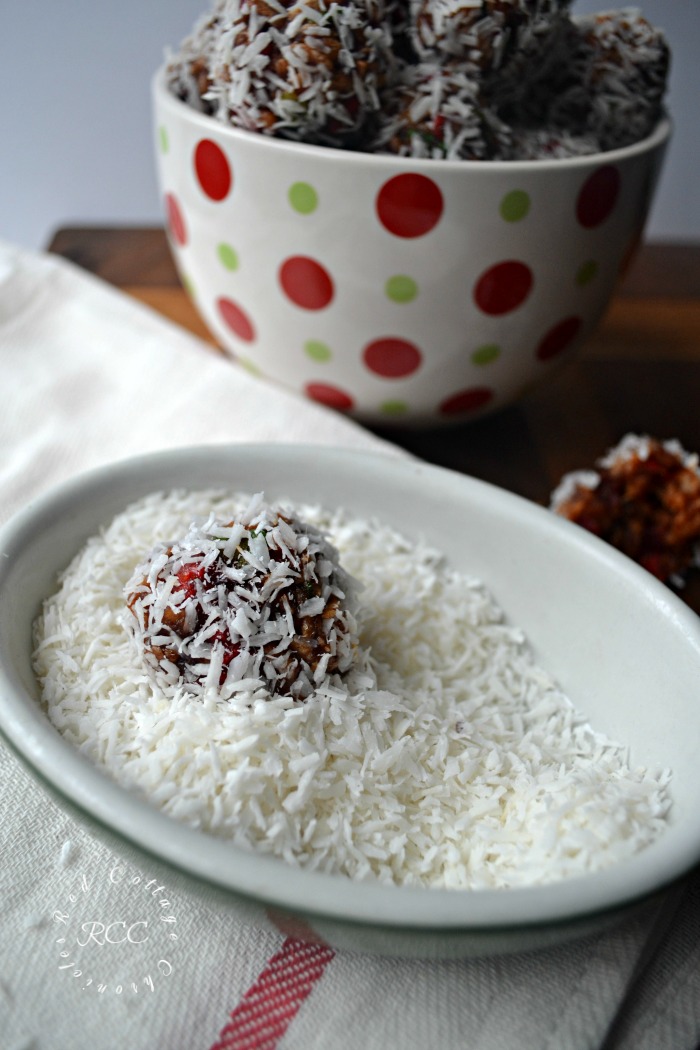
444,757
456,79
66,854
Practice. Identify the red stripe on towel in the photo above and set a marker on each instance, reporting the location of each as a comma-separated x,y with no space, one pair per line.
273,1000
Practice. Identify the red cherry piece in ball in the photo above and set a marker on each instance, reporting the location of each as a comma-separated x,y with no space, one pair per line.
409,205
306,282
392,358
235,318
466,401
175,219
329,395
212,169
558,338
503,287
598,196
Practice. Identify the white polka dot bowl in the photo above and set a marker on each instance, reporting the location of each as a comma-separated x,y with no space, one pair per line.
396,290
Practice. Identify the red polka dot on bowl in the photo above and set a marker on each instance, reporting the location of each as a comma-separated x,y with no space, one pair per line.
212,170
306,283
409,205
392,358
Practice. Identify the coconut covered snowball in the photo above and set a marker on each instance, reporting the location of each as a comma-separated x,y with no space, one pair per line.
483,34
607,81
259,598
643,497
436,111
302,70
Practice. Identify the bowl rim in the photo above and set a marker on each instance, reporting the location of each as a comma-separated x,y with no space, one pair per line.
219,865
163,97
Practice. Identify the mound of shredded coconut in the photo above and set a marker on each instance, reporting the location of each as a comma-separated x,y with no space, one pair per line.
445,756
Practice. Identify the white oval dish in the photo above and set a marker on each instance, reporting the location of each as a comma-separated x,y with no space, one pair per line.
623,647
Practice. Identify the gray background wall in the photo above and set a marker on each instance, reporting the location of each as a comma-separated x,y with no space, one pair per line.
75,126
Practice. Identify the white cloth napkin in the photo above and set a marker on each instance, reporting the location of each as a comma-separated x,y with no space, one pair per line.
90,376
